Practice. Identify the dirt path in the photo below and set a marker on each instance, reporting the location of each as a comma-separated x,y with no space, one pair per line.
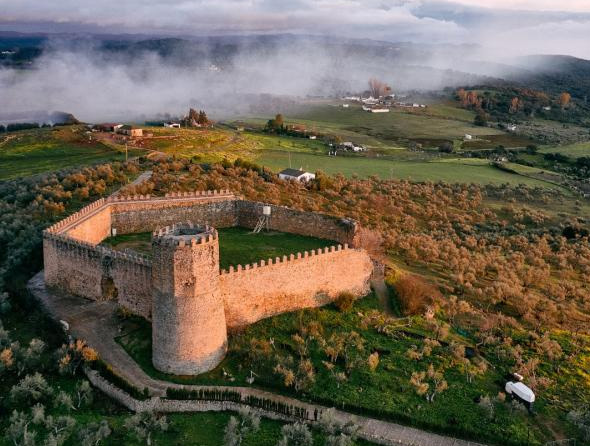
96,323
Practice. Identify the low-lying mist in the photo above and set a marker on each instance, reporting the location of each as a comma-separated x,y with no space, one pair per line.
142,82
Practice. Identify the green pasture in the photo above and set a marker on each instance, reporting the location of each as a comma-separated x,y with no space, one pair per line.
453,170
398,124
572,150
30,152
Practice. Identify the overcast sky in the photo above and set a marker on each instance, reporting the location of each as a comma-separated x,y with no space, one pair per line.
516,26
534,26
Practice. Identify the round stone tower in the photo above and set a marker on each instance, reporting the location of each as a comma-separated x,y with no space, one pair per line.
189,333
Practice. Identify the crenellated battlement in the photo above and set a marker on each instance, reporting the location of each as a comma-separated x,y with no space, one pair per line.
76,216
76,248
183,272
299,256
170,195
184,234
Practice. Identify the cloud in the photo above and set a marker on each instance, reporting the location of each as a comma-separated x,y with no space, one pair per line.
459,21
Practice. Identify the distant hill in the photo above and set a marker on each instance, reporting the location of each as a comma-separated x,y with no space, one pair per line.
409,65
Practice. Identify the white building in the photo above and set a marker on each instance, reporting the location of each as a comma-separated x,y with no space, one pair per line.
468,137
171,125
297,175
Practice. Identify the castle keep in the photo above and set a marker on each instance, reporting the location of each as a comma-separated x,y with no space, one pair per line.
180,288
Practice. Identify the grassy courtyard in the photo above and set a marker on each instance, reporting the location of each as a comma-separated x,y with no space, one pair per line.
237,246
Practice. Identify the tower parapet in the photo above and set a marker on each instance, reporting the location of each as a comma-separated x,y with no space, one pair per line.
189,334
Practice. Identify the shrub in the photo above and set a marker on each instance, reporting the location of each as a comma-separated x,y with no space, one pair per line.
446,147
345,301
415,294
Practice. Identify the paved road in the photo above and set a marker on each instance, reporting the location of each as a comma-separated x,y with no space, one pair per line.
96,323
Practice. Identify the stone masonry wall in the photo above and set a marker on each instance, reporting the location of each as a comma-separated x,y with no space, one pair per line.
92,228
302,280
217,210
311,224
98,273
74,262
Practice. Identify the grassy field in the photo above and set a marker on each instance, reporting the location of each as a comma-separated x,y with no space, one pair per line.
452,170
385,392
237,246
429,125
572,150
218,143
30,152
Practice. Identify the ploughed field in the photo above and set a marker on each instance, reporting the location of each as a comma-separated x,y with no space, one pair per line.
237,246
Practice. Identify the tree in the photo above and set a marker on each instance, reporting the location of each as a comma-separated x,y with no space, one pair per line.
378,88
297,434
481,119
429,383
345,301
275,124
373,361
18,430
415,294
28,429
237,428
202,118
73,355
446,147
564,99
29,358
145,425
337,432
31,388
93,433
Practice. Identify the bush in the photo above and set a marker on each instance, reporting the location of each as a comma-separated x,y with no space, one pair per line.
415,294
345,301
446,147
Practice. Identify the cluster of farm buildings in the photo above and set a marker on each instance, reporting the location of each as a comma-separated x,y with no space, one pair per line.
382,104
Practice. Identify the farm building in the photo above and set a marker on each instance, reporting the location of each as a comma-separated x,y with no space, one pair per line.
297,175
108,127
376,109
172,125
351,146
130,130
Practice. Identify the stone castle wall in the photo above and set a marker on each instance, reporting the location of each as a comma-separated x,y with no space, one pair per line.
75,264
311,224
302,280
131,216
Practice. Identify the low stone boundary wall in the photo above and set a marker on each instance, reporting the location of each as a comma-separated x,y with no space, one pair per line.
375,431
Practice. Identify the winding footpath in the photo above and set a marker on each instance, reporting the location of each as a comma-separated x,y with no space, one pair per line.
96,323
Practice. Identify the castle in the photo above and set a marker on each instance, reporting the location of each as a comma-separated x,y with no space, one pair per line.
191,302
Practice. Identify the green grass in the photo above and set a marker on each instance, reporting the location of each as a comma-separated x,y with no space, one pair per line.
237,246
186,429
384,393
31,152
572,150
452,170
421,124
